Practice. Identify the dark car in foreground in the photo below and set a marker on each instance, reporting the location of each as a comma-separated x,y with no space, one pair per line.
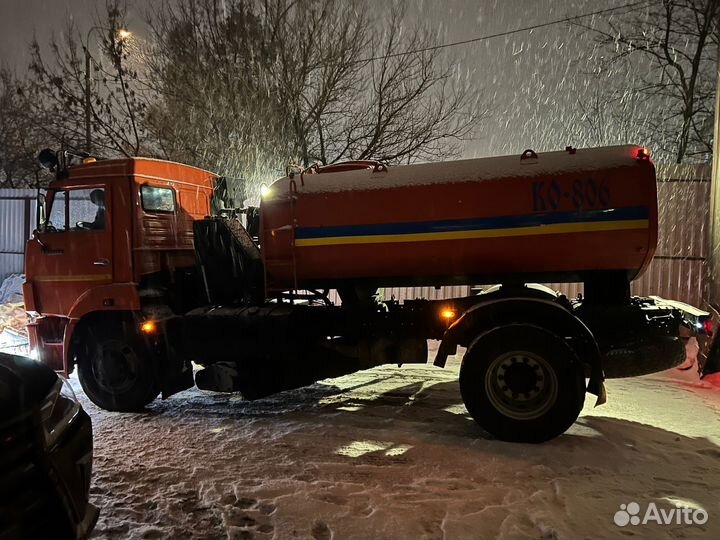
45,455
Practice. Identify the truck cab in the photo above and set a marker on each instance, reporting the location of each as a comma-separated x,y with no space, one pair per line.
114,238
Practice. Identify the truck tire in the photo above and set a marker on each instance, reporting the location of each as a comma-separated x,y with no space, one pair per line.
522,383
115,368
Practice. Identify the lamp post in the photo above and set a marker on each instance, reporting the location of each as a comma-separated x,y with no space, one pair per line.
121,34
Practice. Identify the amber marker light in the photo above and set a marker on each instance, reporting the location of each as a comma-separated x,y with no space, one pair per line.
448,314
148,327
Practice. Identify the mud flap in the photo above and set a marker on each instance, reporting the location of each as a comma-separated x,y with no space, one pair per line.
596,384
600,392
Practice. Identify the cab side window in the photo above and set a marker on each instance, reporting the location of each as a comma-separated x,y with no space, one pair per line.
157,199
77,209
87,209
56,218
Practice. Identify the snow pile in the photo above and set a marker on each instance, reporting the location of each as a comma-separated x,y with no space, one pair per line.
11,289
14,342
13,319
391,453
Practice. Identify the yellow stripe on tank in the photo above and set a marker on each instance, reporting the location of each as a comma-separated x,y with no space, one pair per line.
557,228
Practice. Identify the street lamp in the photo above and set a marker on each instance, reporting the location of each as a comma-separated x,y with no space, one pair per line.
122,34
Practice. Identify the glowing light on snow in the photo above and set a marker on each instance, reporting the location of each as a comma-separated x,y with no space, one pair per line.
360,448
580,430
457,408
681,502
264,191
398,450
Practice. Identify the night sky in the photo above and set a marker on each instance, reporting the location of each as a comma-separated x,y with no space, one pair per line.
533,80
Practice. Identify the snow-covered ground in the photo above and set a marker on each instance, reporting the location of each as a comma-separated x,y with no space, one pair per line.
391,453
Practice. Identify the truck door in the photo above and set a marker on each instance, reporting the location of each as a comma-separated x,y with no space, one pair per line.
75,252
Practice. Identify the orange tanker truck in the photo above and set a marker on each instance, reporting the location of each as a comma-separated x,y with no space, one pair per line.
141,268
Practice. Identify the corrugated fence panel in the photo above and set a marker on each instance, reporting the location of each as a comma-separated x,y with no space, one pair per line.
429,293
571,290
11,264
17,221
675,279
679,268
411,293
682,214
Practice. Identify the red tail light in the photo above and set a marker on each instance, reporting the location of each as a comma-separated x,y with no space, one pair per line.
643,153
708,327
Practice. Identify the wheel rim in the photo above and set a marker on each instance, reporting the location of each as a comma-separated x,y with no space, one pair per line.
521,385
115,367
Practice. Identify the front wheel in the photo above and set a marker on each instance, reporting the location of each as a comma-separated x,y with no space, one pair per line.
115,367
522,383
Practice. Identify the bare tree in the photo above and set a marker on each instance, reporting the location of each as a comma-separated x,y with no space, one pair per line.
295,80
20,137
611,116
400,104
214,106
66,92
678,39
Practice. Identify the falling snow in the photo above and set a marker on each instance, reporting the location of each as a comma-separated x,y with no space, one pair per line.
391,452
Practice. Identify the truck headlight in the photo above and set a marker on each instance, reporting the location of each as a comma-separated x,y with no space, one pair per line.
58,410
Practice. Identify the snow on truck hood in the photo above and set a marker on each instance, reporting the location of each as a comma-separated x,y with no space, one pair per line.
466,170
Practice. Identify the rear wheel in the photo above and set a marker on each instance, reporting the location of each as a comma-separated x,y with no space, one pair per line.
522,383
115,367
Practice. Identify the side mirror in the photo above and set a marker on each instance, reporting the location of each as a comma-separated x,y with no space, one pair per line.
48,159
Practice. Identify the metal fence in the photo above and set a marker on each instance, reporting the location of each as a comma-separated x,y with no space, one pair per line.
679,269
17,222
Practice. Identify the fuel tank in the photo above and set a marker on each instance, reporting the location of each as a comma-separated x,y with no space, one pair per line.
551,216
